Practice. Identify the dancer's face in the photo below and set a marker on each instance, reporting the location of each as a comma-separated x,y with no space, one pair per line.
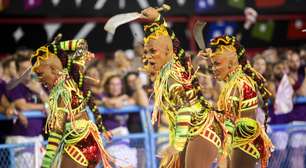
45,75
223,63
48,70
157,52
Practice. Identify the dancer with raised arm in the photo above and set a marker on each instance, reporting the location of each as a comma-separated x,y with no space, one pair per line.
195,134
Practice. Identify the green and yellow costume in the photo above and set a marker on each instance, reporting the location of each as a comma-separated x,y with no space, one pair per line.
178,96
238,96
70,131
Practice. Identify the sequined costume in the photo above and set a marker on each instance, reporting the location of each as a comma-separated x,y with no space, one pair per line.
70,131
178,96
240,95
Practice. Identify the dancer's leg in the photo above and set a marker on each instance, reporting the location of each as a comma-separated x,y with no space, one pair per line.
200,153
182,157
67,161
242,160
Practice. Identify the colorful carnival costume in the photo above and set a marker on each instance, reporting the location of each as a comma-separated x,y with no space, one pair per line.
70,131
240,95
178,96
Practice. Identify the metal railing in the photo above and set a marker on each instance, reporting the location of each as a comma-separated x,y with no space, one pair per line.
293,137
8,151
291,130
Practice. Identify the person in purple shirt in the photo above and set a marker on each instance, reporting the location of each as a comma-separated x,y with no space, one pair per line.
3,105
6,108
26,96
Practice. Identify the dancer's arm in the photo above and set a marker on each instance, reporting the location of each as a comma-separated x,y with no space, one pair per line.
57,128
241,103
183,114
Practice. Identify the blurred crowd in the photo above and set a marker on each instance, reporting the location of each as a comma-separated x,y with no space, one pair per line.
117,81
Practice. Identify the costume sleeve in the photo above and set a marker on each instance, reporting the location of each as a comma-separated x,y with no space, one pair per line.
232,99
53,143
183,98
56,126
249,98
242,97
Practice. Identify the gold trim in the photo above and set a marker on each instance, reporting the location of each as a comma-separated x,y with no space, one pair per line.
247,149
215,139
74,152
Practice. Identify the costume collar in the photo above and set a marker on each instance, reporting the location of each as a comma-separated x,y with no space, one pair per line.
233,73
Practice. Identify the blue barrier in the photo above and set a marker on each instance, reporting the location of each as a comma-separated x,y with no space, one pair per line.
11,150
144,124
148,134
290,129
129,109
103,110
299,100
274,128
28,114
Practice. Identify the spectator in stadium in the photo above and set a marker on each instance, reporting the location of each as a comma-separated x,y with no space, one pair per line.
114,97
270,55
101,67
2,90
297,73
134,88
259,63
23,51
9,69
302,52
28,95
278,71
122,62
138,52
95,83
5,106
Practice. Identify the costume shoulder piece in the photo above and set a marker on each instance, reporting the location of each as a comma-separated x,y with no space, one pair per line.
238,94
65,99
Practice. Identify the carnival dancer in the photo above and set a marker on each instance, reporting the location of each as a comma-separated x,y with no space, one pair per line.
195,135
246,141
74,140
